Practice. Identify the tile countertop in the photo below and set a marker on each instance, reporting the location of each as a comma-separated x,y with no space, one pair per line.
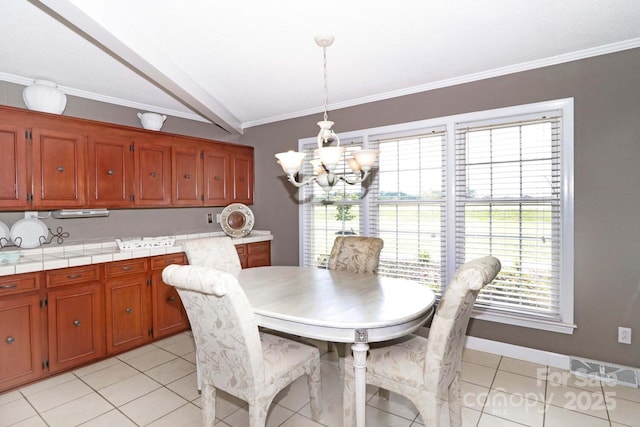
73,255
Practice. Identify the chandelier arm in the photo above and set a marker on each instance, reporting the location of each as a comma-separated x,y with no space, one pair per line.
292,179
357,180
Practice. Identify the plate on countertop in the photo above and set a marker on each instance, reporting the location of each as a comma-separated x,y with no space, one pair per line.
5,235
29,233
237,220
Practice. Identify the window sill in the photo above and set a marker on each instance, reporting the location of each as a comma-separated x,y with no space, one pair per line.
546,325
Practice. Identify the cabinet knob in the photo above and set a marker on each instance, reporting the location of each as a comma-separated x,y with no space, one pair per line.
10,340
187,176
60,168
128,310
9,286
172,298
241,179
153,174
217,178
76,323
110,172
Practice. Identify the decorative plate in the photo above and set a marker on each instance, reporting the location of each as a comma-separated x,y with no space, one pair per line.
29,233
5,235
237,220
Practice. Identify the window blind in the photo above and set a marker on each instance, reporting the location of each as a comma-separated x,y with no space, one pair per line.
507,201
408,206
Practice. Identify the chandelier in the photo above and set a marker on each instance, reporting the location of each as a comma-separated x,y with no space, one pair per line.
329,156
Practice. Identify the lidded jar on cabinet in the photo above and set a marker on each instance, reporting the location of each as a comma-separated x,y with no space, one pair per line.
44,95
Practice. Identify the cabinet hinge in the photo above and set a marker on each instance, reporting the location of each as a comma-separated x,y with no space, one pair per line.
44,302
202,155
132,198
45,365
28,135
202,197
149,282
131,147
29,197
151,332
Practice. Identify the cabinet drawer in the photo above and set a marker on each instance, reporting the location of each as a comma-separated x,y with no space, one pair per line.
162,261
121,268
18,283
72,275
241,249
258,248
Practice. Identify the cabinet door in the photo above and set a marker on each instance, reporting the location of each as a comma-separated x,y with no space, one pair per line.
169,316
216,178
110,171
128,313
186,176
153,174
20,359
76,326
259,254
58,168
13,173
242,179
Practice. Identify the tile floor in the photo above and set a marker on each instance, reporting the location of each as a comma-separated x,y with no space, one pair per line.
155,386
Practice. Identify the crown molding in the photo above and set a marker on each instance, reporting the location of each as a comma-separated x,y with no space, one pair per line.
496,72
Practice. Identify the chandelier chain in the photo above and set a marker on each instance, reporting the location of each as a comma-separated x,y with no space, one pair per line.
326,86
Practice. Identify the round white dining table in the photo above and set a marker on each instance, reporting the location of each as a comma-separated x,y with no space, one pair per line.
337,306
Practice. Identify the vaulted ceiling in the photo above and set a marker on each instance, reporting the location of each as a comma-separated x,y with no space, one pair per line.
241,63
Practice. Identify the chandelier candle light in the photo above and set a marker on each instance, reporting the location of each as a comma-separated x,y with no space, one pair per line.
329,156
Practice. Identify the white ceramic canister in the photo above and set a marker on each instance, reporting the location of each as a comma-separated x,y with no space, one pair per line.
44,96
152,121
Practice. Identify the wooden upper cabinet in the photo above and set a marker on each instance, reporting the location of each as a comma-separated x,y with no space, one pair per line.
59,170
152,161
13,173
217,174
110,171
242,174
186,174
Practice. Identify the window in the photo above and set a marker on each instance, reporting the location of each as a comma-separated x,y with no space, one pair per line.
452,189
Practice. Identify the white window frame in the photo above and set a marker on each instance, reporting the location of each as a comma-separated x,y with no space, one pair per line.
566,324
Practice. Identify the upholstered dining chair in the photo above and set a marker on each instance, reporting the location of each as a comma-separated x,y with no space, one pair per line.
358,254
233,355
427,370
214,252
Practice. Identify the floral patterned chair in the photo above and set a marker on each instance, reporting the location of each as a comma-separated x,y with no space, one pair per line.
355,253
233,355
426,371
214,252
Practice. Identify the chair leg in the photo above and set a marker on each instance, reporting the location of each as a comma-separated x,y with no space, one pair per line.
455,402
383,393
208,404
429,407
315,392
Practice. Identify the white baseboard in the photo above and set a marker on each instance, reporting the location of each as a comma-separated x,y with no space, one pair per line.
542,357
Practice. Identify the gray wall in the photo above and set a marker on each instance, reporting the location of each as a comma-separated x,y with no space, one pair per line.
606,90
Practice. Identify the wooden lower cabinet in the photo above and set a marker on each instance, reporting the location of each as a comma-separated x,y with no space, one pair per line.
169,316
83,314
127,304
20,332
257,254
76,325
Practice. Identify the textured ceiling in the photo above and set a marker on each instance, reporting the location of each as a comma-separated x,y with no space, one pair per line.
242,63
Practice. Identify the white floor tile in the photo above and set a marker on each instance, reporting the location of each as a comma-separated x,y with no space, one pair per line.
59,395
477,374
77,411
560,417
528,387
171,371
112,418
150,359
130,389
109,375
186,416
521,367
514,407
152,406
15,411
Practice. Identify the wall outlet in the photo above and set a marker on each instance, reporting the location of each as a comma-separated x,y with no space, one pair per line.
624,335
209,218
